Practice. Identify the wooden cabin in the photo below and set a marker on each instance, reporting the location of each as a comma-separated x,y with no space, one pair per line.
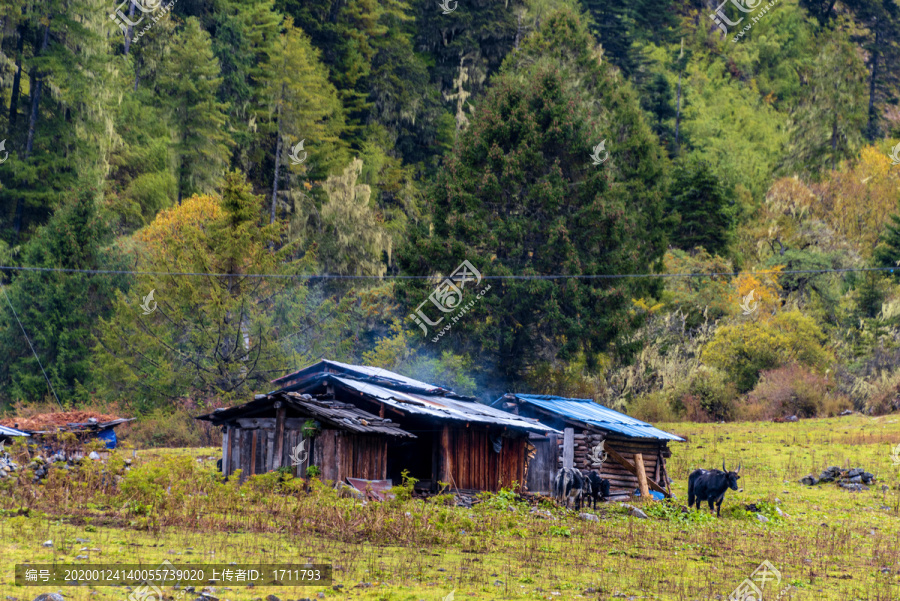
628,443
466,444
288,429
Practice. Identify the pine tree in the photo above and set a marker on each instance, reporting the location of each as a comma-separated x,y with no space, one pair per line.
704,208
622,25
887,253
59,134
520,195
829,122
59,310
304,112
191,81
244,33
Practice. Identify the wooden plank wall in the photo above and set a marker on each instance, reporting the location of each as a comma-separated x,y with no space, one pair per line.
473,464
542,468
265,455
338,454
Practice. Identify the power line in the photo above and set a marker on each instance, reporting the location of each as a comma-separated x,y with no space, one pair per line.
428,277
3,289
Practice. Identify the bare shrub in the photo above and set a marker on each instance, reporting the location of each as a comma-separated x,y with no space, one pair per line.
789,390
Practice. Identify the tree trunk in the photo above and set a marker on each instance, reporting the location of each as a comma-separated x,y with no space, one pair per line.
17,79
678,98
130,31
277,167
872,126
180,179
37,82
678,112
834,138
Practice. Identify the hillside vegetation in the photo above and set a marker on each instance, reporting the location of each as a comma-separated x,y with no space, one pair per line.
156,172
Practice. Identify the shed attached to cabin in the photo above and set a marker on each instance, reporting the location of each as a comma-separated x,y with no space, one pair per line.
466,444
628,443
11,434
289,429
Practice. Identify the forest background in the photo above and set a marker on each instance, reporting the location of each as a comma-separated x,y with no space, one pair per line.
333,145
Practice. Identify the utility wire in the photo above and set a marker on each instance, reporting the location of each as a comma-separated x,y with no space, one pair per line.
3,289
427,277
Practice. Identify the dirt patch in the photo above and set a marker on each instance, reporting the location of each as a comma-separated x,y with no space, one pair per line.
50,421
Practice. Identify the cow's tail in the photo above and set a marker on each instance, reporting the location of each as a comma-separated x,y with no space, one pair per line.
691,490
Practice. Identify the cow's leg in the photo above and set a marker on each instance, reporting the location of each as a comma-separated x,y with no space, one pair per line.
718,507
712,502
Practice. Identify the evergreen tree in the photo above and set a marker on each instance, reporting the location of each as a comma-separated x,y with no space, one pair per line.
352,239
621,26
520,195
304,112
704,208
657,100
880,39
829,122
887,253
58,310
191,81
57,137
244,33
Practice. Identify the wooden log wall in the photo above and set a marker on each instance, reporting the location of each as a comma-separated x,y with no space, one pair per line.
654,454
469,461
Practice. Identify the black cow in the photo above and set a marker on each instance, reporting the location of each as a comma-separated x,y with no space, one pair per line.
710,486
599,487
570,484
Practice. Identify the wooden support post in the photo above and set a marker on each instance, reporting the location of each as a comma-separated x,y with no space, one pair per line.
628,466
446,461
569,447
270,450
280,413
226,451
253,440
641,476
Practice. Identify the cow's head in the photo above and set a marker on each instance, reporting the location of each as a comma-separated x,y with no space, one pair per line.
733,477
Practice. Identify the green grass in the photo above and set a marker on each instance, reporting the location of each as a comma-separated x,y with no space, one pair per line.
835,544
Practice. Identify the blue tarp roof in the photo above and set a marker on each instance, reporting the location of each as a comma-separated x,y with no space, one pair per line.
4,431
589,412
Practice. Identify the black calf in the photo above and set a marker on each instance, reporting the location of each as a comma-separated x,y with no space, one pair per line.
599,488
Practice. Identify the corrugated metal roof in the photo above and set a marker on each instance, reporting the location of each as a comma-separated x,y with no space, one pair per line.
365,371
5,431
589,412
443,407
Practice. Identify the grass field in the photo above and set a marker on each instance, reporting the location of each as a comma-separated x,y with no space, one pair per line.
833,544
